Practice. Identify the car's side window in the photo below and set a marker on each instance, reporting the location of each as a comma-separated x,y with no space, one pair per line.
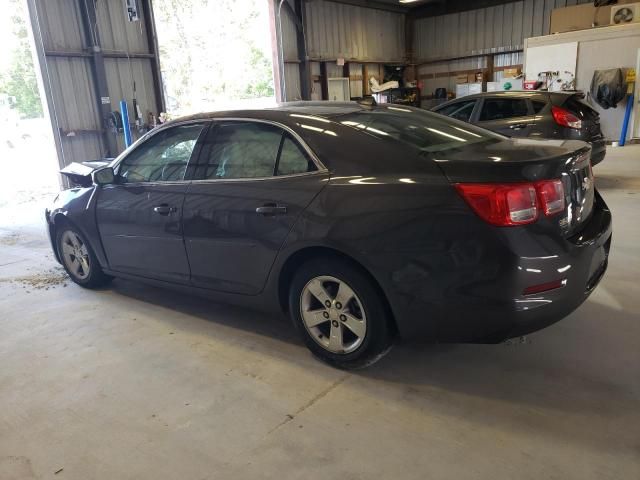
538,106
162,158
500,108
240,150
246,149
460,110
464,113
293,159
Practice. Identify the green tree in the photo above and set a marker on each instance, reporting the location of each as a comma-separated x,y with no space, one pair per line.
19,80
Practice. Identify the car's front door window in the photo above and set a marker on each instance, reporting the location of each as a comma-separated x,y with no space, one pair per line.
162,158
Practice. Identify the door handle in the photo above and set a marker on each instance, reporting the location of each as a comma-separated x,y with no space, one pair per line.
518,126
164,209
269,209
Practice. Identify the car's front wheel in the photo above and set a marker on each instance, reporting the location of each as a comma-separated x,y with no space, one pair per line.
340,313
78,258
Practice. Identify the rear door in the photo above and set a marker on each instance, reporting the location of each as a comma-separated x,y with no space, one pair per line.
140,216
510,116
252,181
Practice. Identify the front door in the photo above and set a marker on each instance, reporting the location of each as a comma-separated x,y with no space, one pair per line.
252,182
509,116
140,215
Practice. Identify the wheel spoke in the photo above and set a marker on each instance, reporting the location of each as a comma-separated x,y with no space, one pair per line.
67,249
335,338
355,325
314,318
317,290
85,264
345,294
75,266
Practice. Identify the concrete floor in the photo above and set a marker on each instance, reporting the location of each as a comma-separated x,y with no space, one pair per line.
137,383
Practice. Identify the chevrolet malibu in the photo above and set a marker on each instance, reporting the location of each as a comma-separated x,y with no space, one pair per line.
364,223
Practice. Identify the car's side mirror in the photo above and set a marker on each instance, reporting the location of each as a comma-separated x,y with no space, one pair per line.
103,176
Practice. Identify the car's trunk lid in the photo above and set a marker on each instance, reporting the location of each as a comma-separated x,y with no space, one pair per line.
526,160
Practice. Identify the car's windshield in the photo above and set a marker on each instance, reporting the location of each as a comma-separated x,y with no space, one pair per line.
430,132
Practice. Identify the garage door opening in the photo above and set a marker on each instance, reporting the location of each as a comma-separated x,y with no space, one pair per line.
27,151
214,55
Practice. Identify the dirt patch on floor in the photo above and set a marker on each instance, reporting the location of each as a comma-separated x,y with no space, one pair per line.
10,239
42,280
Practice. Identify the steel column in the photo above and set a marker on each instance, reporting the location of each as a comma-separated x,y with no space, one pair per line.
87,10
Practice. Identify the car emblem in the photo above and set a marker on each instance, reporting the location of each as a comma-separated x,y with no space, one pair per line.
586,183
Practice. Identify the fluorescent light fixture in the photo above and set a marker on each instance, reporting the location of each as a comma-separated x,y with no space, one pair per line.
316,129
408,1
467,132
310,117
398,109
444,134
375,130
406,180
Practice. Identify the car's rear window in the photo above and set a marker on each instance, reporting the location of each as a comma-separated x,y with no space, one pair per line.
428,131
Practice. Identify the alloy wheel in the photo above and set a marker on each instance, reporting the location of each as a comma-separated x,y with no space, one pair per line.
75,255
333,314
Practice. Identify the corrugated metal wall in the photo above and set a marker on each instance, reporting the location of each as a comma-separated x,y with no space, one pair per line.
67,75
486,30
335,30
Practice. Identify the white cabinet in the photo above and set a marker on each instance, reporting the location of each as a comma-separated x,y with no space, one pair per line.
338,89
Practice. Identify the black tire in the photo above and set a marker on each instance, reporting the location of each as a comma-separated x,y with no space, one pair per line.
95,277
379,334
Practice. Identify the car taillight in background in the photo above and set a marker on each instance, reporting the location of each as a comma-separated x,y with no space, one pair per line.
565,118
513,204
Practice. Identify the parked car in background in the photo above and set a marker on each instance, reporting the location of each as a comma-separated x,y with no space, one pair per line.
553,115
362,223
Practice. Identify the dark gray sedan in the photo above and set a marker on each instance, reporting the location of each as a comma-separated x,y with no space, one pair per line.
553,115
362,223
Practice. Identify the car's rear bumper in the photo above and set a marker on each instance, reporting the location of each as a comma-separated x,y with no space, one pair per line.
482,299
598,151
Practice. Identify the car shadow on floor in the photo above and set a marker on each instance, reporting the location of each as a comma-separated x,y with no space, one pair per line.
571,381
237,317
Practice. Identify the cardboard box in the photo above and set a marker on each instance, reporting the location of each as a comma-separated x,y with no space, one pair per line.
581,17
475,77
461,78
511,72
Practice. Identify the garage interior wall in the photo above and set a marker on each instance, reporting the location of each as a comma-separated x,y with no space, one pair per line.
487,39
359,35
601,49
78,109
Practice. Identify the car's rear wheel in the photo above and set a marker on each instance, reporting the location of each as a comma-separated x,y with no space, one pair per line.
78,258
340,313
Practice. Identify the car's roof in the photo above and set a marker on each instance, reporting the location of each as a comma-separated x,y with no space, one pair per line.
516,93
283,111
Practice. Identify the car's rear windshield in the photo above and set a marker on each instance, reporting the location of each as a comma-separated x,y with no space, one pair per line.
427,131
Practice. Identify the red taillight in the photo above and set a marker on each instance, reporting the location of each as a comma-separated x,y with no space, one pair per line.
565,118
551,196
513,203
500,204
544,287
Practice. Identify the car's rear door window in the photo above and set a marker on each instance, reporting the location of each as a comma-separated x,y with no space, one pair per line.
240,150
501,108
248,149
293,159
538,106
